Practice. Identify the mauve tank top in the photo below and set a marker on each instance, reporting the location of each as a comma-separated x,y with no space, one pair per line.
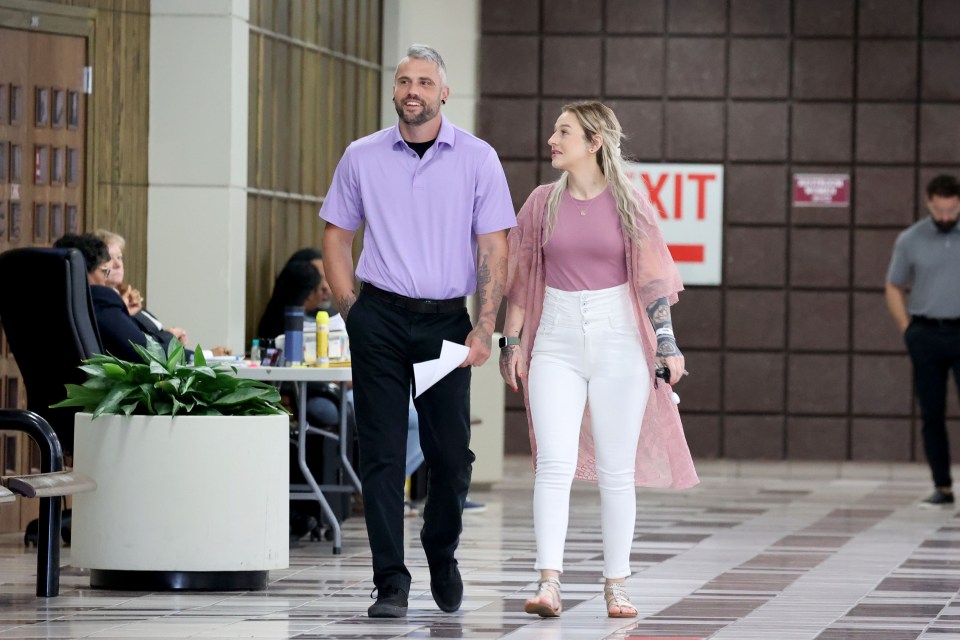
585,252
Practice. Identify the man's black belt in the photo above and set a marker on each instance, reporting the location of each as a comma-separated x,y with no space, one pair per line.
417,305
937,322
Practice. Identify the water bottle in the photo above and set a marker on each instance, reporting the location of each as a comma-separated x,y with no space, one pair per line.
293,335
323,339
338,346
255,351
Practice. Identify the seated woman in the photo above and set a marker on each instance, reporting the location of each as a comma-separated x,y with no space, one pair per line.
117,328
296,282
299,284
148,323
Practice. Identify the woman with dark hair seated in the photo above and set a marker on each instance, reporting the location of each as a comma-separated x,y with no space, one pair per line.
117,328
299,284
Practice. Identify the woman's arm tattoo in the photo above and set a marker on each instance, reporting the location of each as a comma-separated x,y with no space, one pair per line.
659,313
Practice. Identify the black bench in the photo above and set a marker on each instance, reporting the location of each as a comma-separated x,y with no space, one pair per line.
49,486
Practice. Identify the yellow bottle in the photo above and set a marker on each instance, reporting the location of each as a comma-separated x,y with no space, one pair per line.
323,339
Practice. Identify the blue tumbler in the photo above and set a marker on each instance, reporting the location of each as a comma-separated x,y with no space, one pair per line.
293,335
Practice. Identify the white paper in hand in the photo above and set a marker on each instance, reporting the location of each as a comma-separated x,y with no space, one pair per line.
426,374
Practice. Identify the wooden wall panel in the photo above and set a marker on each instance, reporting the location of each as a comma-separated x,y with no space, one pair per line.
120,116
314,88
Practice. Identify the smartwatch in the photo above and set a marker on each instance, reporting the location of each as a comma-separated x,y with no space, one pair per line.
509,341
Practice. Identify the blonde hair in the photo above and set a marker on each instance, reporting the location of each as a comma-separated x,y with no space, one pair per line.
109,237
597,119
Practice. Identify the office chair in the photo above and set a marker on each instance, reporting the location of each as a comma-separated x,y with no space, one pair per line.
47,315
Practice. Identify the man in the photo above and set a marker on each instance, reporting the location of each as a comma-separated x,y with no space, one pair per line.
926,262
436,206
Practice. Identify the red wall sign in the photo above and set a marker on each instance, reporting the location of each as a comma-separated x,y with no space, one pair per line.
821,190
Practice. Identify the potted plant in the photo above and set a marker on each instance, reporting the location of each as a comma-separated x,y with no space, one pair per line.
191,464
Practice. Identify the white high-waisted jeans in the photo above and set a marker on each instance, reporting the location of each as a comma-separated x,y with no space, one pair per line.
587,348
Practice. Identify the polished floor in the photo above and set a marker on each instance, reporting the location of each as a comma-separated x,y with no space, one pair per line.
757,551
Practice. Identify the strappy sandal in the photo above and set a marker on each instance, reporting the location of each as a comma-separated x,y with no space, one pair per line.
615,593
549,589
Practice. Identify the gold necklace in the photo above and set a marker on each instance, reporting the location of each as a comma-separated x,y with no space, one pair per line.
584,211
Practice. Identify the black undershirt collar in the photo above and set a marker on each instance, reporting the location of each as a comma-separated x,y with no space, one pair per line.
420,147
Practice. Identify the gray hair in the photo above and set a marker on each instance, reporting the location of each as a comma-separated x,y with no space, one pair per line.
428,53
109,237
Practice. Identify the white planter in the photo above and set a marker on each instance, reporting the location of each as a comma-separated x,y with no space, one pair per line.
186,502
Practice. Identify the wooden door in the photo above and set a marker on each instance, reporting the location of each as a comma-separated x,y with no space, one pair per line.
42,159
42,112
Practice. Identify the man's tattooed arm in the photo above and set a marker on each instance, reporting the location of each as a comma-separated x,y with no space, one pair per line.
491,279
344,304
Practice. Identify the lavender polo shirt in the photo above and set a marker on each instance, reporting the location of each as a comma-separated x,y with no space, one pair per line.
422,215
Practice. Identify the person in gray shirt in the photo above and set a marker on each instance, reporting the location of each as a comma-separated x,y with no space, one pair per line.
923,296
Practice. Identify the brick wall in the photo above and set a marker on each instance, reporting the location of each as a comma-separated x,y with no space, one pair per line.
793,355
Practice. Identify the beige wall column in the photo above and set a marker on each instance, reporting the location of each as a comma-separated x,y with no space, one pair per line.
196,232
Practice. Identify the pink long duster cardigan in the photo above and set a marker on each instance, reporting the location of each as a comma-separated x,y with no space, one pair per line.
663,458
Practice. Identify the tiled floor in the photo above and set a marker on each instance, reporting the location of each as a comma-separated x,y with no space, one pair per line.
757,551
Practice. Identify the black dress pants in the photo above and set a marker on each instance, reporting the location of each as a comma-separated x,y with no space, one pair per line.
385,341
934,349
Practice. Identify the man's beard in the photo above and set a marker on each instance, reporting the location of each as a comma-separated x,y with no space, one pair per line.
426,113
945,226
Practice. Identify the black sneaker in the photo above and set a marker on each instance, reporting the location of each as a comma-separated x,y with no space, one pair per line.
446,585
391,603
939,497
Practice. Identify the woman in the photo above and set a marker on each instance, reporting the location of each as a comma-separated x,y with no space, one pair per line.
589,291
147,322
118,331
320,407
300,284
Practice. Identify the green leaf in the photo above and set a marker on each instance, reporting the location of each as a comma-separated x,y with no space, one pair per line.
272,396
114,371
70,402
80,396
240,395
205,371
153,352
187,383
100,383
175,355
102,359
158,369
155,348
198,359
92,369
112,400
170,387
147,390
